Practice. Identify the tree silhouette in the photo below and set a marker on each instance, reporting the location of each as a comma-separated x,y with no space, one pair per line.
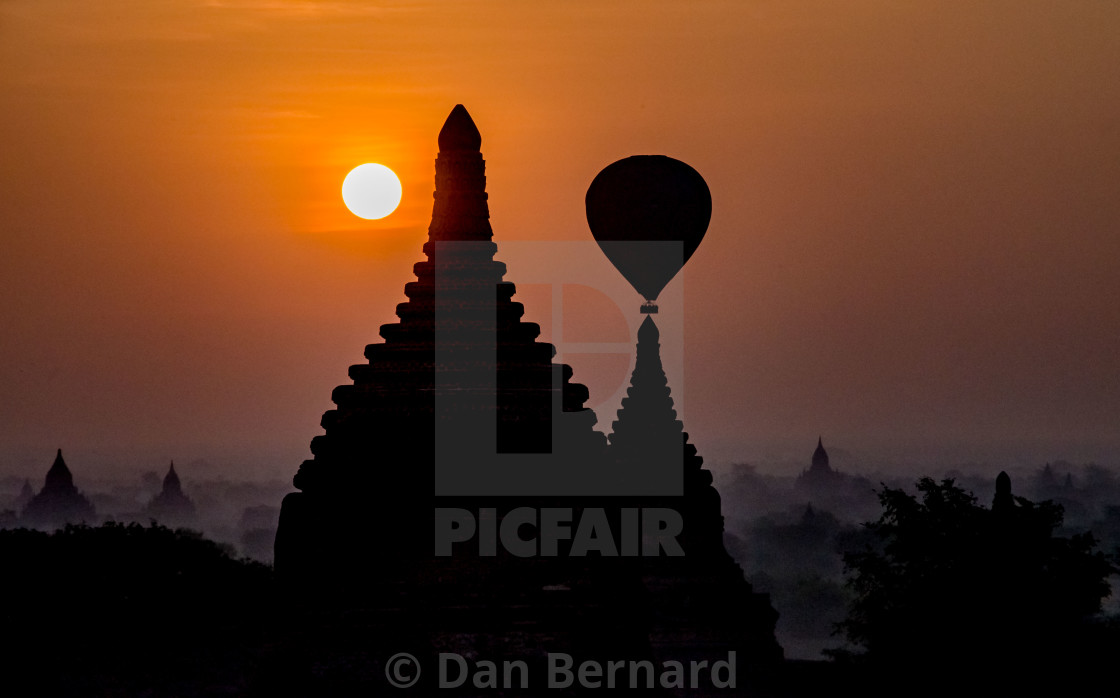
950,583
130,610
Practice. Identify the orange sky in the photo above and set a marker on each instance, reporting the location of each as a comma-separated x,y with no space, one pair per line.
913,249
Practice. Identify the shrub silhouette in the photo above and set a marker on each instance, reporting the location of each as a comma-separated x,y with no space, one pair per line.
128,610
951,583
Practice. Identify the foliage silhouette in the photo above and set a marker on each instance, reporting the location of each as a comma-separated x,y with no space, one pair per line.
129,610
950,583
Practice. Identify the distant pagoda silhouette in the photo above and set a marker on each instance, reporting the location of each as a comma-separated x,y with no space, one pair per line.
820,459
171,507
59,502
819,478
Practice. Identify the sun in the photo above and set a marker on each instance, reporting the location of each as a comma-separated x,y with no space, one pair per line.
371,191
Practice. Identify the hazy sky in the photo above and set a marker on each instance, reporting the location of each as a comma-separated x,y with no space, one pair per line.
913,248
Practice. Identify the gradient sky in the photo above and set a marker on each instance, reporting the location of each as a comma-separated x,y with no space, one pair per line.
913,248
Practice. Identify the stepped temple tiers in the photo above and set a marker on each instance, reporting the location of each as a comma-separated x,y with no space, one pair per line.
59,502
643,577
371,477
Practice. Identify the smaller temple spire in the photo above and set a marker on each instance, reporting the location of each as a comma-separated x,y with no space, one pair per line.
459,132
647,421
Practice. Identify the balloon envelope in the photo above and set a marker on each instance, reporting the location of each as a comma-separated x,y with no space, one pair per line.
648,213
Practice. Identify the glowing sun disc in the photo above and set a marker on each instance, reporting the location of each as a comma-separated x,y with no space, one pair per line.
371,191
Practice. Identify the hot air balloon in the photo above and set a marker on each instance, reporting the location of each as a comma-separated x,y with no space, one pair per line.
648,213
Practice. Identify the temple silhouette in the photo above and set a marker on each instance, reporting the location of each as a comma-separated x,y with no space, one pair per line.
59,502
171,507
359,530
820,476
372,470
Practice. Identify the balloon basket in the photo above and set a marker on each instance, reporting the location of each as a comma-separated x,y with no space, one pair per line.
649,308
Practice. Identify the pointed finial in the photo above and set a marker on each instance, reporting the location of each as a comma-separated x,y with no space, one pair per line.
459,132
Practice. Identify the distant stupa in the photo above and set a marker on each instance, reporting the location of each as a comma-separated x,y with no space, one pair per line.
59,502
820,476
171,507
820,460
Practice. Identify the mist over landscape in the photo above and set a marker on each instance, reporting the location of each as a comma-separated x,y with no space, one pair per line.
720,348
786,531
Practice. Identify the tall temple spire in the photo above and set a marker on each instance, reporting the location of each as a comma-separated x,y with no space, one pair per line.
361,525
460,212
459,132
372,469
